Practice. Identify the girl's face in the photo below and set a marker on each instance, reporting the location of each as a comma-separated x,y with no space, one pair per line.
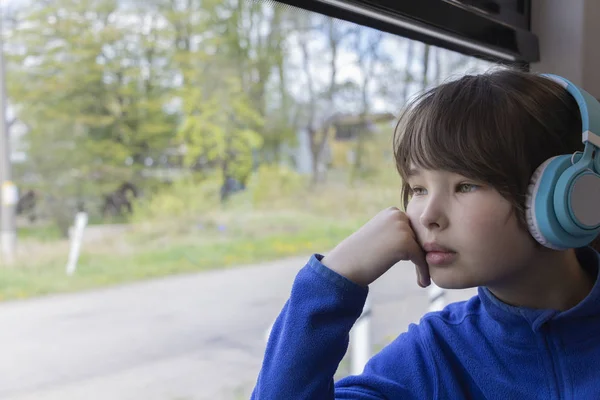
475,222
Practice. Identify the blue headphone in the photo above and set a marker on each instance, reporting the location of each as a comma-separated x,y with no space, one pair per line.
563,199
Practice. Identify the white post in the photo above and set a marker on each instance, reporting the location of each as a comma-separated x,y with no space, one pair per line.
268,331
360,341
437,298
10,197
81,220
8,235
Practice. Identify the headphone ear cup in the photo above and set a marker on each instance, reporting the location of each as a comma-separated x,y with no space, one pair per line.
539,205
576,200
532,193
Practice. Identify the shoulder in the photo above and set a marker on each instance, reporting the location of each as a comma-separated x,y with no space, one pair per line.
422,342
406,368
453,320
455,313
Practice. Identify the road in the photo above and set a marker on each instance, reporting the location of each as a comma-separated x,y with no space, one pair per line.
197,336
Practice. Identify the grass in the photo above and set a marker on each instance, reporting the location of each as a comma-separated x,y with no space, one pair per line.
183,230
148,252
45,233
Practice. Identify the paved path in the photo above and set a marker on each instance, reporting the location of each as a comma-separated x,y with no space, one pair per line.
195,336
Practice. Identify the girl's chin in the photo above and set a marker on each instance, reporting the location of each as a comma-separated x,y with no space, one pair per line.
452,280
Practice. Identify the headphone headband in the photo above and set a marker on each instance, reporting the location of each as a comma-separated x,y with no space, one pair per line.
588,107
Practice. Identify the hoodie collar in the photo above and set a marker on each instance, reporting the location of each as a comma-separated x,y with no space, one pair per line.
523,320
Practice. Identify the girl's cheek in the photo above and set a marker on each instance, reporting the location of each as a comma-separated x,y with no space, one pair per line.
413,214
483,218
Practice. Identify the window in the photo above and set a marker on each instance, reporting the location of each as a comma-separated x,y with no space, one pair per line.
197,152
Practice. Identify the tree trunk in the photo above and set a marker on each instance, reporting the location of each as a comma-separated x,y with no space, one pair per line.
425,66
407,73
438,66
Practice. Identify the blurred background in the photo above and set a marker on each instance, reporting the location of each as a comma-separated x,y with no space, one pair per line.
168,166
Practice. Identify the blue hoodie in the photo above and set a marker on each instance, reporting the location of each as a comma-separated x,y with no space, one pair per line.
477,349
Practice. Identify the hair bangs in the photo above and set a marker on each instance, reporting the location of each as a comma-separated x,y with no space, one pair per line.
456,127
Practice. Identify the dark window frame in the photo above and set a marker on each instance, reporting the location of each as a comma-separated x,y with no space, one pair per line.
453,25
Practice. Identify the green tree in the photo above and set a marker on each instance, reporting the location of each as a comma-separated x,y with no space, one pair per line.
216,130
88,75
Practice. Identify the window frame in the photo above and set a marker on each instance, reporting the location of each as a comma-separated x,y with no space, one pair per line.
451,25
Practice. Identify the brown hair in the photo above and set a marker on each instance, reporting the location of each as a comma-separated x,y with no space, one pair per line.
496,127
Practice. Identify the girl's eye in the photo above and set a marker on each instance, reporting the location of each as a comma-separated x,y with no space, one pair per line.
466,187
462,188
417,191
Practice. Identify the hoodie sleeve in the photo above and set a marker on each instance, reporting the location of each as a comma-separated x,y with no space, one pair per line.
310,337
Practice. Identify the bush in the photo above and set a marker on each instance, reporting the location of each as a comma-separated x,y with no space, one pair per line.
275,186
182,199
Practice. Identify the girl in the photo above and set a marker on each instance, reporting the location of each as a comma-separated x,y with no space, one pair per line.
468,154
